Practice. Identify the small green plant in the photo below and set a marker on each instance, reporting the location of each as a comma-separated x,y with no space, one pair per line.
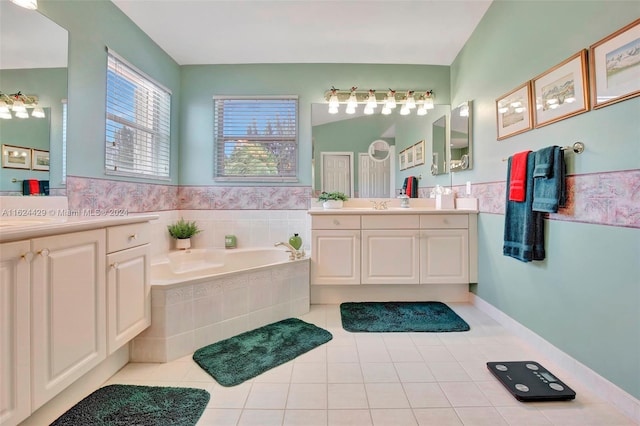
335,195
183,229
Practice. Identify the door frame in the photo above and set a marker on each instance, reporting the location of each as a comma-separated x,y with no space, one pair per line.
351,168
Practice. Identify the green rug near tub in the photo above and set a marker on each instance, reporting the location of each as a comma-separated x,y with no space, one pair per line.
126,405
400,317
242,357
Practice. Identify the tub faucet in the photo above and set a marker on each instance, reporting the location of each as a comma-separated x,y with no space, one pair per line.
295,254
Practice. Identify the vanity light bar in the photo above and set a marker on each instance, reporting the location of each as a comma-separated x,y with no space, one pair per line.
18,103
420,100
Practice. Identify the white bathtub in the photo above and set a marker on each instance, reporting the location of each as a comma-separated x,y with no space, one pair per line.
188,265
202,296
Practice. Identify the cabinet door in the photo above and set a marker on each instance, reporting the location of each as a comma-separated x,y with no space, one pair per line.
128,295
68,310
444,256
390,256
15,353
335,257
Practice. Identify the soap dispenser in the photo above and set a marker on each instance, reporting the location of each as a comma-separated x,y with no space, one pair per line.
295,241
404,200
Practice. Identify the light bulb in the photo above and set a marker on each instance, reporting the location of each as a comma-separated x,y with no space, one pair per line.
386,110
390,101
411,101
38,112
333,100
352,103
333,110
18,106
404,110
22,114
428,103
371,100
368,110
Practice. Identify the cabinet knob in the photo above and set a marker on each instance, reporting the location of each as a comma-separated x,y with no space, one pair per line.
114,265
44,252
28,257
133,236
336,222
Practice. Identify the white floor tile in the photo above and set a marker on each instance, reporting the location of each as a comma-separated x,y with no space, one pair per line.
267,396
437,417
347,395
386,395
307,396
350,418
394,417
305,418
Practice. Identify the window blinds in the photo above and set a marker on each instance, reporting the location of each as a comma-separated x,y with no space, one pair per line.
255,138
138,123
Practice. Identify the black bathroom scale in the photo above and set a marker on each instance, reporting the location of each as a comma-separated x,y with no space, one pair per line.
530,381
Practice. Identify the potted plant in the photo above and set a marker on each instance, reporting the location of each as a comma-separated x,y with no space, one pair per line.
182,231
332,200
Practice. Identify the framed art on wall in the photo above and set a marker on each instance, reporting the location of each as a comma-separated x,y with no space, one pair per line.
15,157
614,66
562,91
418,153
514,113
403,159
409,157
39,159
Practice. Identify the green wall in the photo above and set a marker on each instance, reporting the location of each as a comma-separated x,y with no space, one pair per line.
585,297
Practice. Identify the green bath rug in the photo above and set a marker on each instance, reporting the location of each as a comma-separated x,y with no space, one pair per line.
387,317
242,357
126,405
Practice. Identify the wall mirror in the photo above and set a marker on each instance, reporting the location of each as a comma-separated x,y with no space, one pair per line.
439,146
338,138
33,61
460,139
379,150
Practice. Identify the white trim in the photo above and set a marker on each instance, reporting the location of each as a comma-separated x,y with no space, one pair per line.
608,391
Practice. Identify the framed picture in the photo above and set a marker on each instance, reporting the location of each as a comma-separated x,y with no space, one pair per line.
562,91
15,157
39,160
409,155
403,159
418,153
514,113
614,66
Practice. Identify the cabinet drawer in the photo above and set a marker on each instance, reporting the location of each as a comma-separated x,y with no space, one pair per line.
336,222
127,236
390,222
444,221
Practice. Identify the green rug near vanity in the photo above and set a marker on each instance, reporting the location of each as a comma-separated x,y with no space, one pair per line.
126,405
387,317
242,357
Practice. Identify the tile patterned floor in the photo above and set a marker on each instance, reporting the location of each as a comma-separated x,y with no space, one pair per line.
394,379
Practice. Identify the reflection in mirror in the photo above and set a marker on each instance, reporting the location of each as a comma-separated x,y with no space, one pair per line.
438,147
33,62
379,150
460,144
353,134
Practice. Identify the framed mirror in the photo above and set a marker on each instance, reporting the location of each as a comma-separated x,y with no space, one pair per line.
460,140
33,62
439,146
379,150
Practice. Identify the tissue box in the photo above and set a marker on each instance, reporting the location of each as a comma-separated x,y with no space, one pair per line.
445,201
467,203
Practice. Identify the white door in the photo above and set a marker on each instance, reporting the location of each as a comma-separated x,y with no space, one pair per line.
337,172
373,177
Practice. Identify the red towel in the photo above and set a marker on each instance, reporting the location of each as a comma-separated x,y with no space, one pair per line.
34,187
518,177
409,183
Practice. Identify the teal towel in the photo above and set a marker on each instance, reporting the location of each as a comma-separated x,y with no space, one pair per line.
523,227
549,180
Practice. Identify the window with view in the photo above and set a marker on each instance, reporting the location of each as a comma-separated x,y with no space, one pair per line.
256,138
138,123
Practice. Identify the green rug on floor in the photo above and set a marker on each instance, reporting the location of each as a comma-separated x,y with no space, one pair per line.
387,317
126,405
242,357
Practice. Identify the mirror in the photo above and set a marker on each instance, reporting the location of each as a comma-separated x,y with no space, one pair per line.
460,143
342,143
379,150
33,62
439,145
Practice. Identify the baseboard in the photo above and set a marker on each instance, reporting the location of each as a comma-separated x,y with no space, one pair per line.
335,294
608,391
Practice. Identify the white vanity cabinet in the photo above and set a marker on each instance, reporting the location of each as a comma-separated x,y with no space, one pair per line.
390,249
15,342
335,248
128,283
444,249
68,329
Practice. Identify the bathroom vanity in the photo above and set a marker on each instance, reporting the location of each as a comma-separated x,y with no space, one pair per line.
72,293
362,254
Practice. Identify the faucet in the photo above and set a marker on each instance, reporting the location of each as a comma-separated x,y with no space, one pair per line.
381,205
295,254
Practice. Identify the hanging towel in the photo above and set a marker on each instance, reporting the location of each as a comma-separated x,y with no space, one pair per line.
518,176
410,186
549,180
523,228
30,187
44,187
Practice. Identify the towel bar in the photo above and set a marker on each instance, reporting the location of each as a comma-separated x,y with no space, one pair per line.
577,148
14,180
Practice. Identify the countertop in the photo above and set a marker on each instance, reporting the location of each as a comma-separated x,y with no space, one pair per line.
24,228
389,211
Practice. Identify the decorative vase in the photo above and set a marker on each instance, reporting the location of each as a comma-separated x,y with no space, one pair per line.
332,204
295,241
183,244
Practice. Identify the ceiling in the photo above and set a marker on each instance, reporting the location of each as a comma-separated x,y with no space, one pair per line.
425,32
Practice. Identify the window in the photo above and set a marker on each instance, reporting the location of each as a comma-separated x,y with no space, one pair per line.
256,138
138,123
